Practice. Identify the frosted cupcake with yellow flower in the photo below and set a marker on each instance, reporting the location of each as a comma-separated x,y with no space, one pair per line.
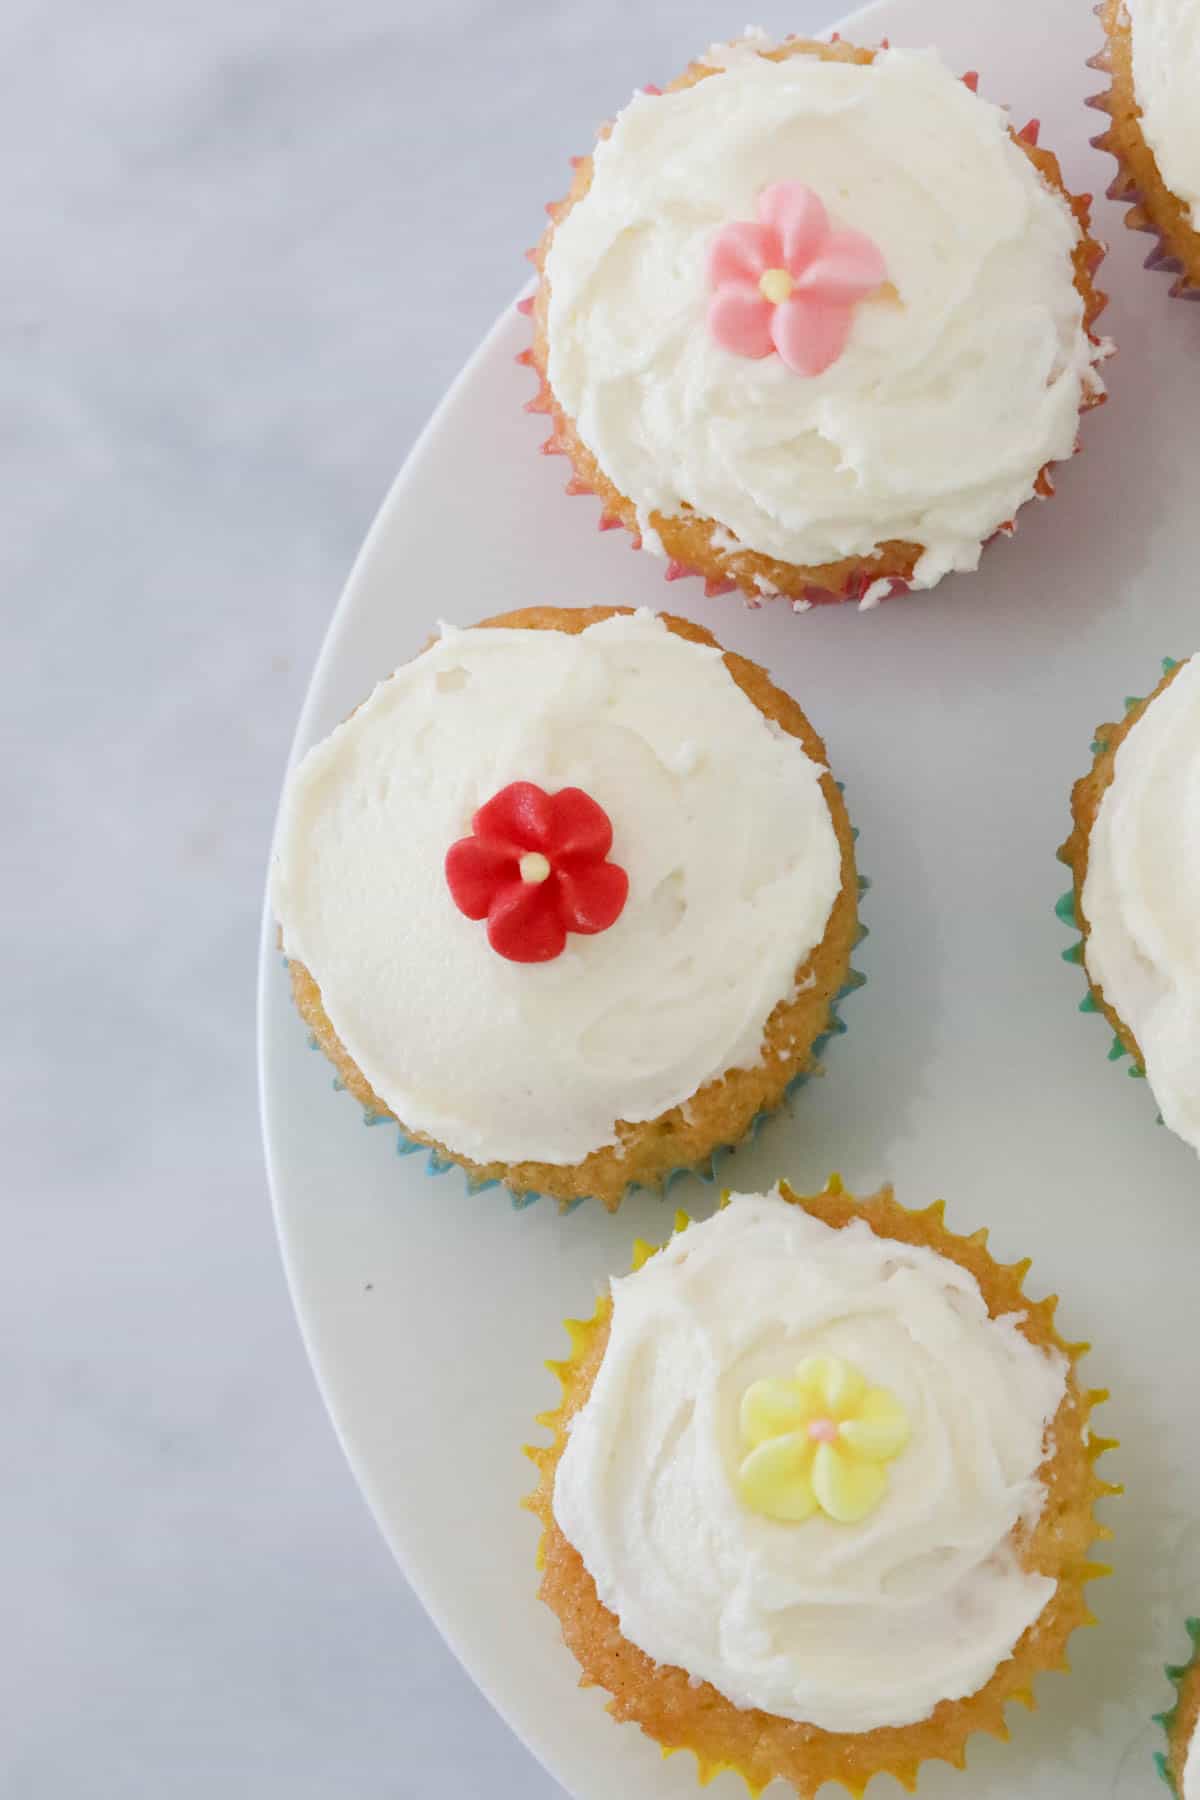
820,1497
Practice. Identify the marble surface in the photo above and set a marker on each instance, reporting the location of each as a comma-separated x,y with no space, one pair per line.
248,246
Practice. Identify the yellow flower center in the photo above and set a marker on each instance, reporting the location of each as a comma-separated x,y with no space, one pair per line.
818,1442
533,867
775,285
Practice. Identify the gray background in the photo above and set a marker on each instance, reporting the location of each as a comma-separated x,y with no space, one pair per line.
248,244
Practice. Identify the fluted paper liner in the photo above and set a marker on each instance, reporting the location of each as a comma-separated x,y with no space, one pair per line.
684,1715
1180,1720
439,1161
1151,206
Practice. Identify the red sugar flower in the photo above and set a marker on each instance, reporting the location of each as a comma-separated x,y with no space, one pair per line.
534,867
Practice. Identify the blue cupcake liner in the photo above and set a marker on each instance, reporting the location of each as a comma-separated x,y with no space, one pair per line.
437,1164
1176,1674
1068,915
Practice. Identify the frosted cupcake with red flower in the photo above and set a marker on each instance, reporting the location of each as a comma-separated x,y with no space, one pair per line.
571,897
816,321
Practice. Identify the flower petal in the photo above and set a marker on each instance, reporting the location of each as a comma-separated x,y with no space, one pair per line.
579,826
837,1386
771,1408
800,219
880,1428
519,816
523,922
847,267
846,1489
774,1479
740,320
473,873
809,334
591,895
740,252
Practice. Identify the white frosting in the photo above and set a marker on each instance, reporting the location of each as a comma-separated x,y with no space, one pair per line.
844,1627
1191,1770
1166,82
933,424
1141,897
877,591
719,821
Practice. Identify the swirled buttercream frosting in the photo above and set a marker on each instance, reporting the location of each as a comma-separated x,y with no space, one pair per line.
811,418
867,1615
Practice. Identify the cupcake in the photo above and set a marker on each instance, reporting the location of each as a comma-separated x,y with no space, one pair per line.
1179,1764
820,1495
1136,889
815,321
571,897
1152,57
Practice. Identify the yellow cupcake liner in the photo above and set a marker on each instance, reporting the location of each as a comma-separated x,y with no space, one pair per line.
982,1712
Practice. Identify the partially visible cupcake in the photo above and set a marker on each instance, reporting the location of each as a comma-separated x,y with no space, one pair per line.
1152,57
571,897
1179,1764
1134,856
816,322
820,1496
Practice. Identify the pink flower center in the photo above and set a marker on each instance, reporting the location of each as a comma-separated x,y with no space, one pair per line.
776,286
534,867
823,1431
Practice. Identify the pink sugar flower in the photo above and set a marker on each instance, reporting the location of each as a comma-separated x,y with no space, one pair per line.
789,282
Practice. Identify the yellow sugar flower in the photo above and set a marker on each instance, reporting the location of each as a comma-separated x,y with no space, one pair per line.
820,1440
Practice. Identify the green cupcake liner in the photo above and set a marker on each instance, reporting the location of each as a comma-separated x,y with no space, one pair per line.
1067,913
1176,1674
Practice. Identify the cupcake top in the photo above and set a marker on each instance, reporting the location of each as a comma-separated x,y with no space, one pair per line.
546,882
807,1451
827,304
1166,77
1141,896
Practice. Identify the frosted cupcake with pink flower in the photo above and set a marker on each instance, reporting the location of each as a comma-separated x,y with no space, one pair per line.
816,321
